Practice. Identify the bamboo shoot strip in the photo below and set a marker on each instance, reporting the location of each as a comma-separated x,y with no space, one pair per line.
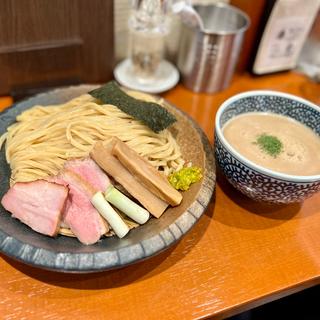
103,157
140,168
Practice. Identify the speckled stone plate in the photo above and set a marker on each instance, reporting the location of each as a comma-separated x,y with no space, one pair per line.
66,254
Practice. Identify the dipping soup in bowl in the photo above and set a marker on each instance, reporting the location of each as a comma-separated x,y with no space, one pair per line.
275,142
267,144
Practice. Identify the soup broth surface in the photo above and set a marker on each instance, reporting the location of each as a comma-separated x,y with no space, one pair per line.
300,153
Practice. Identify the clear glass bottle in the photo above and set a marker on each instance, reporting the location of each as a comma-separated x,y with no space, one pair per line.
148,27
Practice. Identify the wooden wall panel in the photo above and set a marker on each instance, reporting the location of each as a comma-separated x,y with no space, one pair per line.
44,43
36,21
96,29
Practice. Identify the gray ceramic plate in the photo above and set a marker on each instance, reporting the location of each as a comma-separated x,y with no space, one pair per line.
68,254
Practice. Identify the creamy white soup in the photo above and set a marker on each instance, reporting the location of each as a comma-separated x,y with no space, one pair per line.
275,142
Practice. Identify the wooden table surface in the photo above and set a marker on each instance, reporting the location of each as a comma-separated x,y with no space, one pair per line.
240,254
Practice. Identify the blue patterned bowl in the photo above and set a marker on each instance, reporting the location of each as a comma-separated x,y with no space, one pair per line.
257,182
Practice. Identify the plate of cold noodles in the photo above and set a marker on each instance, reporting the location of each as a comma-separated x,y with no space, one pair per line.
99,177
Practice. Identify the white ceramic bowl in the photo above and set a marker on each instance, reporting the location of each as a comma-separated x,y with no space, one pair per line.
253,180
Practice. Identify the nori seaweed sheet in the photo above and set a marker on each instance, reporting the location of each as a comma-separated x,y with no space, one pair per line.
151,114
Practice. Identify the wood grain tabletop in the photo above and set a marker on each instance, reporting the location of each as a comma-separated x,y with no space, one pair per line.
240,254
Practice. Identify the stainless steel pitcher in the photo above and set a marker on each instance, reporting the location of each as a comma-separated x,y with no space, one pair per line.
208,55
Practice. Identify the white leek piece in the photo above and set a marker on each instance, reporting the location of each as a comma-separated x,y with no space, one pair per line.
115,221
127,206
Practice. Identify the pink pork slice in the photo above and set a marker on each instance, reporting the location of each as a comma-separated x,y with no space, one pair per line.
38,204
89,171
79,214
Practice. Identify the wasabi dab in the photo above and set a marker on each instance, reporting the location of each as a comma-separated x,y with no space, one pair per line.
182,179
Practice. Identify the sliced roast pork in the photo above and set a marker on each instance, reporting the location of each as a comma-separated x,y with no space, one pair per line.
39,204
89,171
79,214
